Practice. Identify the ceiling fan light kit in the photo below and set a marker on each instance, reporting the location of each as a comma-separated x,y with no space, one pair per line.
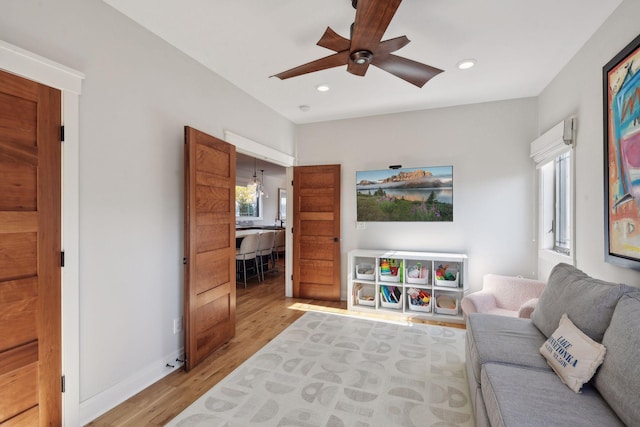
361,57
366,47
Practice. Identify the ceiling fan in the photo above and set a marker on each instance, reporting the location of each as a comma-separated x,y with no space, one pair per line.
365,47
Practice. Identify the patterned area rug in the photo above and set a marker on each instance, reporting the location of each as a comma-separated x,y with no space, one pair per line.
334,370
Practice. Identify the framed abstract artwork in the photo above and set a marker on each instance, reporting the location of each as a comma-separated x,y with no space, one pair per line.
409,194
621,94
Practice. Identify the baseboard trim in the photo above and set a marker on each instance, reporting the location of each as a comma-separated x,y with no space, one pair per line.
97,405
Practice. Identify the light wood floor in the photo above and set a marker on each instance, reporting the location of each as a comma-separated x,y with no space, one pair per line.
262,312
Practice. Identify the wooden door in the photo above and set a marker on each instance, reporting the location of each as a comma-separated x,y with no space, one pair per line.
30,247
209,244
316,232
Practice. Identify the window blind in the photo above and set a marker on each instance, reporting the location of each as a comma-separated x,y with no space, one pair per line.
554,142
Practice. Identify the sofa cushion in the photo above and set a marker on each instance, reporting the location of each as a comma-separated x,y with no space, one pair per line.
572,355
588,302
518,396
493,338
618,379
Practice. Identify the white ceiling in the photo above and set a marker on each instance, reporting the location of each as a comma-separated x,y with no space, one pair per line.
520,45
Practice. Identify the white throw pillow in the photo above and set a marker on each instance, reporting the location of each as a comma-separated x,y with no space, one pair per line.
572,355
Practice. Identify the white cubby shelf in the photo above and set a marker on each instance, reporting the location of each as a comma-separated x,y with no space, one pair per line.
387,278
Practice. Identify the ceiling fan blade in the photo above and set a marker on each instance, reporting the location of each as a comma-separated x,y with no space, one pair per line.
334,41
392,45
335,60
357,69
411,71
372,19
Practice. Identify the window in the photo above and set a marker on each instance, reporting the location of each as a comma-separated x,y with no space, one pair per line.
248,202
562,198
555,204
552,153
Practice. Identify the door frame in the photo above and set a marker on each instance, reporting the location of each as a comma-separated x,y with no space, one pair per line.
41,70
271,155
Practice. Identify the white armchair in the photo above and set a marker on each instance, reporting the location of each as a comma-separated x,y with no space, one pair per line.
504,295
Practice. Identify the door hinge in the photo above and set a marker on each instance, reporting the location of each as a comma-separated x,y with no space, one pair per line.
62,133
292,277
184,261
292,183
63,384
291,230
62,259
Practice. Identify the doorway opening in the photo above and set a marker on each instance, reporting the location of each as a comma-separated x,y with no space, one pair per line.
274,170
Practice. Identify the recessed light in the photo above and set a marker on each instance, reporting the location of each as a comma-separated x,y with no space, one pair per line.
465,64
323,88
304,108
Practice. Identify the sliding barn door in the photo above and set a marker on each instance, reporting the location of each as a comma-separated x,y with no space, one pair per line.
316,232
30,245
209,245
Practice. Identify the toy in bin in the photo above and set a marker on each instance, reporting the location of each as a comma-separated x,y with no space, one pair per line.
446,304
365,272
419,296
446,278
417,271
389,270
384,267
365,269
445,301
389,266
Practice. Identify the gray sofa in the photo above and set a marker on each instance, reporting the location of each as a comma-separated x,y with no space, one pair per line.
511,383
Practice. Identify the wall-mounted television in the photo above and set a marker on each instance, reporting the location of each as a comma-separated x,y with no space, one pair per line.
405,194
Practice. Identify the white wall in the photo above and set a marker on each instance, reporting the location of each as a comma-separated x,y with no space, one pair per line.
578,90
138,94
488,146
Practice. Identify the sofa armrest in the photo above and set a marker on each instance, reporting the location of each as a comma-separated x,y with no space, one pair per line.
527,308
478,302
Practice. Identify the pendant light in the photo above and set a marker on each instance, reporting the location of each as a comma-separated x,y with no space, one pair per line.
254,181
261,186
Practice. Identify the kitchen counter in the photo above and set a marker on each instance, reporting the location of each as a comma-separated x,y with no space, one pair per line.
261,227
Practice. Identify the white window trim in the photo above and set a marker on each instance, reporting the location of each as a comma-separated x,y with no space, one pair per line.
556,141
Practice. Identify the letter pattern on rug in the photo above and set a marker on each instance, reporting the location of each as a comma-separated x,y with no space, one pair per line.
332,370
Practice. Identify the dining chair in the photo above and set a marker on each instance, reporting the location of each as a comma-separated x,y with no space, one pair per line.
247,252
278,247
279,243
265,246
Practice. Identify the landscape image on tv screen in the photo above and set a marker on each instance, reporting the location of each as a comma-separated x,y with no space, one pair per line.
408,194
